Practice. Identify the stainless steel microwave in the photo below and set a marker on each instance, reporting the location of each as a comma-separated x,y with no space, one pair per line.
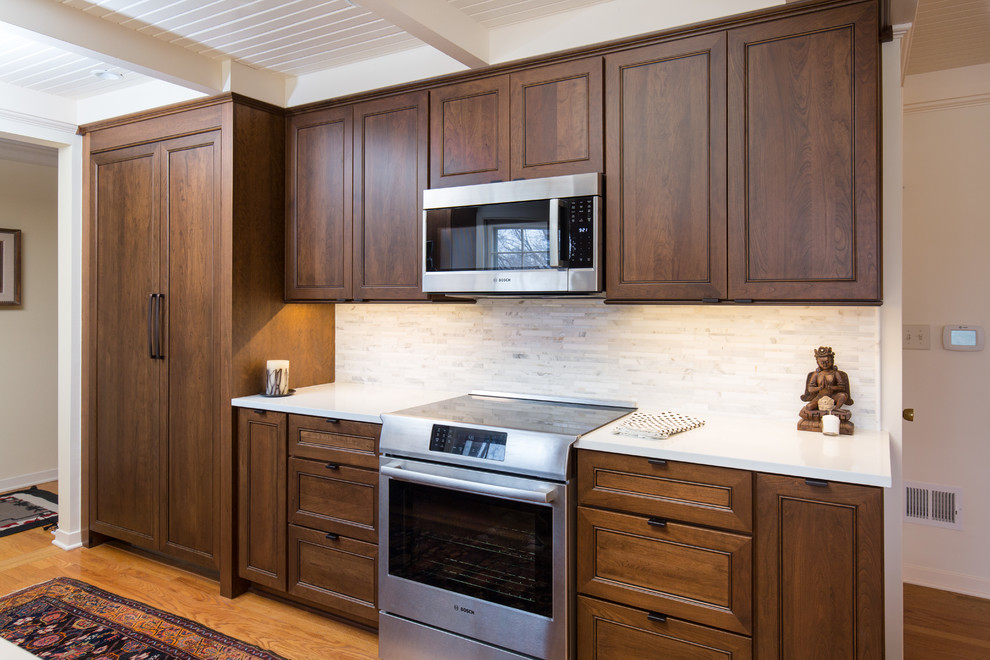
527,237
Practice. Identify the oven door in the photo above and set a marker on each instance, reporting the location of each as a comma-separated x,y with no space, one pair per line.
478,554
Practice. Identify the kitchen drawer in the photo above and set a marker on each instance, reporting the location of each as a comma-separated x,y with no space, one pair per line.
336,440
334,498
606,631
702,494
683,571
334,571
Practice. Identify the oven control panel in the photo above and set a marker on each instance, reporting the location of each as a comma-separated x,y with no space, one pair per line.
475,443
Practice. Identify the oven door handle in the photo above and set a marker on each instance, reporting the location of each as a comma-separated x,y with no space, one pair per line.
540,495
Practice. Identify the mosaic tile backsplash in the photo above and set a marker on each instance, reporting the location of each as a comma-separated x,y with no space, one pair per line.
719,360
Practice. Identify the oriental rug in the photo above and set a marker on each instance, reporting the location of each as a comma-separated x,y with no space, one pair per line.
69,619
27,509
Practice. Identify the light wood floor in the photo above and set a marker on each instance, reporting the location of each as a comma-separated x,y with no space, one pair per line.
937,624
29,557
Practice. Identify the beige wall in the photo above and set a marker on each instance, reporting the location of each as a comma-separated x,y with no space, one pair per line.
28,334
947,281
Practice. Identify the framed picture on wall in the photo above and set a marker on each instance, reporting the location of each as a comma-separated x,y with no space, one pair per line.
10,266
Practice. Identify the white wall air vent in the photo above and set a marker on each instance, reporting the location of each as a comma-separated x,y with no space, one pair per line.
928,504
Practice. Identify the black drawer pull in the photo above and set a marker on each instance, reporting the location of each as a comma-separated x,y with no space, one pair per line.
818,483
331,420
332,466
656,616
332,537
657,461
258,411
657,522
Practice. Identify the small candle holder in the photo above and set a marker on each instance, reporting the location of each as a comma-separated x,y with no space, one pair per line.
277,378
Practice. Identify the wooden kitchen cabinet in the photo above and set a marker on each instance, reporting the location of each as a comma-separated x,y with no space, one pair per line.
308,510
184,305
819,558
803,184
666,167
318,210
391,149
261,452
539,122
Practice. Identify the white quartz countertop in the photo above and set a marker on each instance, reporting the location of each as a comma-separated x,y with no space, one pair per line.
764,445
356,402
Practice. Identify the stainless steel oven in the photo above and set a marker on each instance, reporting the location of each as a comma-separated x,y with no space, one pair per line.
476,545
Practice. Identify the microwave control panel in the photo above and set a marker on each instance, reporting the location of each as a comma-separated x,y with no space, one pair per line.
581,234
462,441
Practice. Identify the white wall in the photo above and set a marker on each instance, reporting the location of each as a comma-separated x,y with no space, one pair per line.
946,281
28,333
718,360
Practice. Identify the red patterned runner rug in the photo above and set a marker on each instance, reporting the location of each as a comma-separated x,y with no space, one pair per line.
69,619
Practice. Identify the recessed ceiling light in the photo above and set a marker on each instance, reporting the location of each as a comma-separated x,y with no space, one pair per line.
104,74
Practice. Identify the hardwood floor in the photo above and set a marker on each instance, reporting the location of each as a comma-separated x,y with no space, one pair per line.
945,625
28,558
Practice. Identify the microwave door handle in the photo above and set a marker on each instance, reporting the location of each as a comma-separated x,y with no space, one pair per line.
539,496
554,233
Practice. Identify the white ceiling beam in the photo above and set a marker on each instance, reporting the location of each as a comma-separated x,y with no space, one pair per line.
438,24
78,32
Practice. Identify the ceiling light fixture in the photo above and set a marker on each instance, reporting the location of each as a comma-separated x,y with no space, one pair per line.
105,74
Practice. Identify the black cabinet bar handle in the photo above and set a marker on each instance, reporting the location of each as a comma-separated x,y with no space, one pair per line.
332,466
331,420
820,483
657,522
656,616
332,537
656,461
158,326
259,411
151,345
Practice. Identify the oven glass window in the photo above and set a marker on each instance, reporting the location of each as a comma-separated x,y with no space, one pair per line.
484,547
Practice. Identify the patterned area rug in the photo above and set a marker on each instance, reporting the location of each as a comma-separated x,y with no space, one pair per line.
27,509
69,619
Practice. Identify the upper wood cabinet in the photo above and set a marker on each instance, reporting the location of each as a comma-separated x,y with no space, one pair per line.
539,122
803,157
391,148
665,220
318,205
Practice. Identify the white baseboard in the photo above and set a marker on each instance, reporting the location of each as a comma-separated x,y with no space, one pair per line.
67,540
28,480
971,585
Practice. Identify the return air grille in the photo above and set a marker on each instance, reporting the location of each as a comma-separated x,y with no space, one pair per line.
928,504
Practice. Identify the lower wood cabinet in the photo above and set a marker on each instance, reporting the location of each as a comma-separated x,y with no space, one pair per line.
308,514
674,561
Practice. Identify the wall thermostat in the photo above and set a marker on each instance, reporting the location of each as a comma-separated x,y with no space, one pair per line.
962,338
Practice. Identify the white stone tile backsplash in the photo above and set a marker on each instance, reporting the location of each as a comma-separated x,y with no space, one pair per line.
694,359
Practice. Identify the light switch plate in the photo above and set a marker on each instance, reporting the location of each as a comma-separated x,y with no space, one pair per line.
917,337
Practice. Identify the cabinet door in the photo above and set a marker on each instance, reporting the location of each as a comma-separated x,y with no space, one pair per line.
318,206
556,114
469,133
803,142
819,558
391,143
125,460
665,127
190,334
261,455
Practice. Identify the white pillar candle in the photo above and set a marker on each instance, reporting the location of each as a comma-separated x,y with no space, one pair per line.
830,425
277,378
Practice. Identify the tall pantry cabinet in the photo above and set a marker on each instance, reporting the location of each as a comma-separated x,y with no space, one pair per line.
184,253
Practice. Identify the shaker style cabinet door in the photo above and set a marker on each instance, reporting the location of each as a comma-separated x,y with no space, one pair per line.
665,129
819,559
804,218
469,133
556,115
125,451
318,205
391,148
